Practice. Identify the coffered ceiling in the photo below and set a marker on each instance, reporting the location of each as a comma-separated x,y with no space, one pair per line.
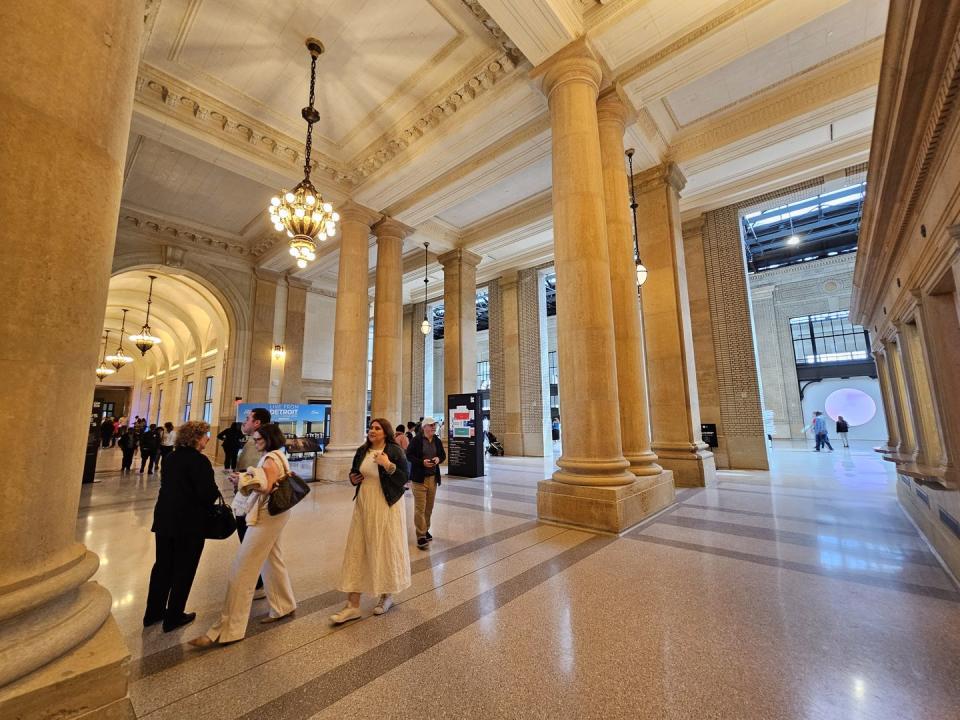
428,112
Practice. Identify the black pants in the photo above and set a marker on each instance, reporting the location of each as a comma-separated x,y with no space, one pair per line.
105,441
172,576
230,458
127,458
164,451
241,531
150,455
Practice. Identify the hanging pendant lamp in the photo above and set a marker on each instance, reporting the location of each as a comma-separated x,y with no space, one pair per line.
103,369
145,339
120,358
425,327
641,270
301,212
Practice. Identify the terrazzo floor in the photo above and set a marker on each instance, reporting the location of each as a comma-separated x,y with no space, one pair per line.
799,593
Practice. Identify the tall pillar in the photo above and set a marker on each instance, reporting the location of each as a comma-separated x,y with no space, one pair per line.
907,448
674,404
261,340
459,321
889,409
348,406
628,331
406,363
386,381
417,341
67,80
593,487
296,317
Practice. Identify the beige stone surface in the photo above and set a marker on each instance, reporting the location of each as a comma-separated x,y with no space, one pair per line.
261,346
459,321
292,389
63,149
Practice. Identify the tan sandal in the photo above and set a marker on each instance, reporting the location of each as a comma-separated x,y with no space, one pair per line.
203,642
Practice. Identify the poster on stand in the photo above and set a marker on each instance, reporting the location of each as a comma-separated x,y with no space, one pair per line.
464,441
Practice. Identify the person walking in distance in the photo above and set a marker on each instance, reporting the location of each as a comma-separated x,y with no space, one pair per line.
128,446
820,431
232,439
376,559
425,455
149,447
250,457
168,439
842,429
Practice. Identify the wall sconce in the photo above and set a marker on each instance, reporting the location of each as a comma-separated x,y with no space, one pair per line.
278,352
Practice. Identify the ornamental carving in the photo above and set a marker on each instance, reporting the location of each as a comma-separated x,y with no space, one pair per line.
505,43
158,227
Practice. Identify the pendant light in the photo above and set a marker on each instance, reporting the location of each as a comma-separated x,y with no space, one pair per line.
120,358
301,212
425,325
641,270
103,369
145,339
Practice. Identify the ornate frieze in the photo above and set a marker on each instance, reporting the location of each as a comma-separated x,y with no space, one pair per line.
505,43
167,230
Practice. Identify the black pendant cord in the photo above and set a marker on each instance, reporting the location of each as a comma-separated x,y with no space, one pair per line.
311,115
633,208
149,301
123,328
426,279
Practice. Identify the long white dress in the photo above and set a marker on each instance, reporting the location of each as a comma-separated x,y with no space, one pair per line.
377,559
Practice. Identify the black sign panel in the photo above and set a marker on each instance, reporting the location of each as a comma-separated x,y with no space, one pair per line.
708,433
464,441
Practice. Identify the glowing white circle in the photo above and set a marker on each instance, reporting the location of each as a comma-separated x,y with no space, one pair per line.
856,406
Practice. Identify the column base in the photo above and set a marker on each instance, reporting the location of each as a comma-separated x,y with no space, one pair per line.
644,464
89,682
747,452
604,509
692,466
333,466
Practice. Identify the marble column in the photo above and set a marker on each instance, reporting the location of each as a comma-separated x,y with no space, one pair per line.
612,116
671,373
406,400
418,343
593,487
291,390
348,407
387,376
67,75
261,340
459,321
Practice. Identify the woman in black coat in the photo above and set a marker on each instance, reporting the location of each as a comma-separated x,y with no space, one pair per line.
232,439
187,494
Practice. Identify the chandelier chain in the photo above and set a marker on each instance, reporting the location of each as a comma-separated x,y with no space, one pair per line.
313,97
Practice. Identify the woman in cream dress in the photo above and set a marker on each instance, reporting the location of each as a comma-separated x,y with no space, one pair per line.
376,559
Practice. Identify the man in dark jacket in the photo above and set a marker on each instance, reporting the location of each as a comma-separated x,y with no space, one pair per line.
149,448
425,455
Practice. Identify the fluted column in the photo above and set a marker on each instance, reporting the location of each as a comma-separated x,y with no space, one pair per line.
348,406
67,74
593,487
628,330
459,321
386,381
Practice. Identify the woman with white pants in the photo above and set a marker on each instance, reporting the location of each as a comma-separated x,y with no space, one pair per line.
260,550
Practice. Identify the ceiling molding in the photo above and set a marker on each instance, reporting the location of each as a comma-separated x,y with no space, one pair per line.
186,235
490,25
514,223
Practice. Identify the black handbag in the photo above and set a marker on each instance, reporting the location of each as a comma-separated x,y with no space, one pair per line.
289,490
221,523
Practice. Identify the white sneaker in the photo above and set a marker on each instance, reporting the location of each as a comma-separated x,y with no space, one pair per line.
345,615
386,602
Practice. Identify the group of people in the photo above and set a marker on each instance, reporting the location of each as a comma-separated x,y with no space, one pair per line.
154,443
376,559
818,424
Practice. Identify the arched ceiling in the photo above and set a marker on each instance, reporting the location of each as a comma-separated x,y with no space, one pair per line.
188,319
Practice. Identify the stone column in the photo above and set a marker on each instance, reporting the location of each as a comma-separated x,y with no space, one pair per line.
907,448
292,389
417,355
593,487
628,331
348,406
67,75
930,457
406,400
889,410
261,340
459,321
674,404
386,380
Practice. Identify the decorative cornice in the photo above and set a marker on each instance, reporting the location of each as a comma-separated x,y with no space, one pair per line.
491,26
174,98
527,217
459,256
166,230
151,9
391,227
664,174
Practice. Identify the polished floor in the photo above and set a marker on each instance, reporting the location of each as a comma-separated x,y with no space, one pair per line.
799,593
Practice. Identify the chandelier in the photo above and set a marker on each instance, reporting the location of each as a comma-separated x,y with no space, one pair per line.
425,325
641,270
102,369
120,358
145,339
301,212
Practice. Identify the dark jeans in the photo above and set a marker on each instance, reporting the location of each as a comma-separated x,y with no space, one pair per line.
127,458
172,576
230,458
241,531
823,440
148,455
164,451
105,441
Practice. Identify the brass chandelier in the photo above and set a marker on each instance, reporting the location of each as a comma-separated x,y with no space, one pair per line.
120,358
103,369
145,339
301,212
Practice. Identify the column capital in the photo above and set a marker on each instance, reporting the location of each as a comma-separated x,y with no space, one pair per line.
574,63
612,109
390,227
355,212
509,279
664,174
267,275
295,282
693,226
459,255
